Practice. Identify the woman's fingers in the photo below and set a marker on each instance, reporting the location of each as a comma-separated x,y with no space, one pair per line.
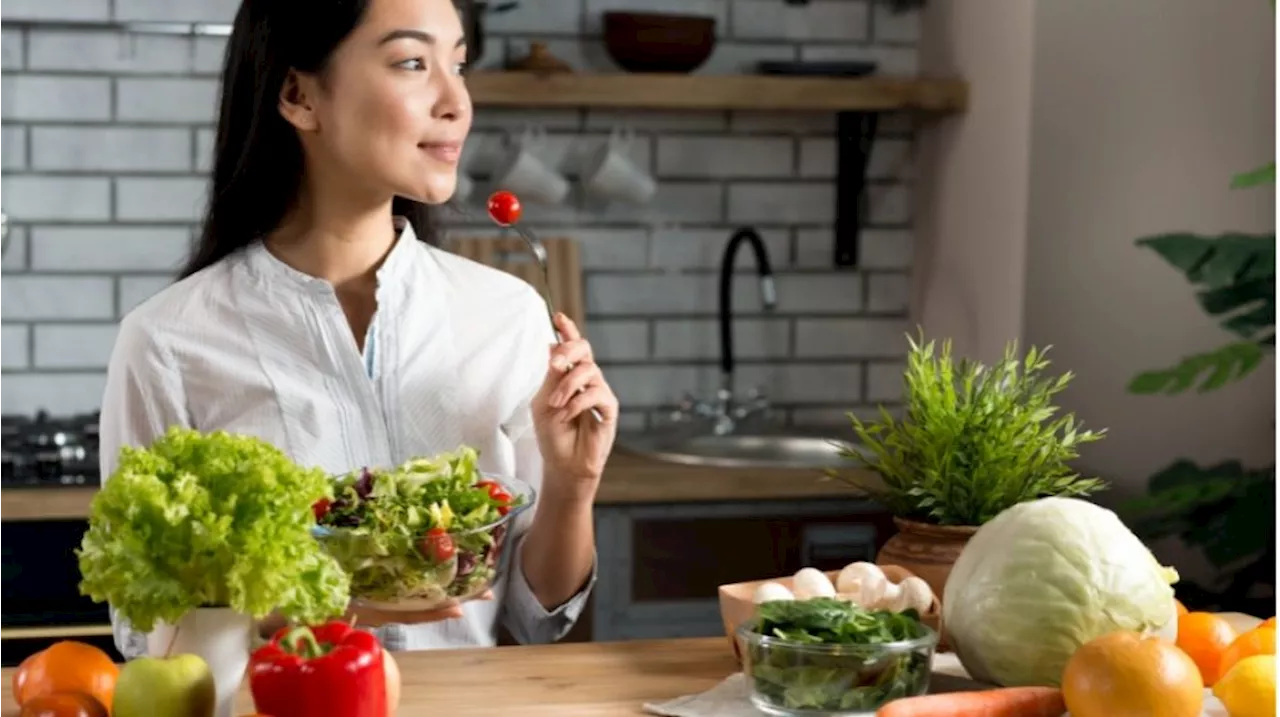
571,353
568,330
582,375
599,397
372,617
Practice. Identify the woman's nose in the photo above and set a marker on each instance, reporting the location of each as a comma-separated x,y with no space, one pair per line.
453,102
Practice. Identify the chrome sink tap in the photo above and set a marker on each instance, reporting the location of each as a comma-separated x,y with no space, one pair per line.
724,411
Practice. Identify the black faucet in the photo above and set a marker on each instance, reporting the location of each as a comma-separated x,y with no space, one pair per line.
768,295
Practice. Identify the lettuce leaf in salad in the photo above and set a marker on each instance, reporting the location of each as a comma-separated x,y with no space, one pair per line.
378,519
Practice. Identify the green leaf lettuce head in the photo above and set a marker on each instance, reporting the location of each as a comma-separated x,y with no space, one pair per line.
1042,579
209,520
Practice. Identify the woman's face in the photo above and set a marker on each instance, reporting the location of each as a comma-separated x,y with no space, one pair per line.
391,110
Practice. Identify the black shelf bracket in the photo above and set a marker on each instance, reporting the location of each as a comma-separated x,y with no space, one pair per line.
855,133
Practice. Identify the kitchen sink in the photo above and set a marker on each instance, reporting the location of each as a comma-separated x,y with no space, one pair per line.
762,450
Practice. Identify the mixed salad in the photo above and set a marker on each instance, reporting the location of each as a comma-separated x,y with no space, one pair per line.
427,530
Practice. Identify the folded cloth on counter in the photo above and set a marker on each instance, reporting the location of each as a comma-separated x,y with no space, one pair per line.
730,698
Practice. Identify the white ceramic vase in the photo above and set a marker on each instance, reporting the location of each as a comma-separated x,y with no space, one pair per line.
219,635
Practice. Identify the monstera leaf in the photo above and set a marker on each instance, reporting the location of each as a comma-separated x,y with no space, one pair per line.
1236,277
1225,510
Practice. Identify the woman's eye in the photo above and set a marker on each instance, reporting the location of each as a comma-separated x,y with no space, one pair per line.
460,68
413,64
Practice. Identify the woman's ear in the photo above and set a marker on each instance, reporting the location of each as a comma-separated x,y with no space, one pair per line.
296,101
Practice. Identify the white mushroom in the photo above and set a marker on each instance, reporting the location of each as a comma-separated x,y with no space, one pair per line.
812,583
916,594
863,583
771,591
893,600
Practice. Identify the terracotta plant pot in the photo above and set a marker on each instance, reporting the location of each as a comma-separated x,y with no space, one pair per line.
926,550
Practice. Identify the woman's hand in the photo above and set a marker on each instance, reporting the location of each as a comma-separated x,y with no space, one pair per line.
372,617
574,444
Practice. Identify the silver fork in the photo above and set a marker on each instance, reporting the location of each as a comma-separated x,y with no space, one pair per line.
540,254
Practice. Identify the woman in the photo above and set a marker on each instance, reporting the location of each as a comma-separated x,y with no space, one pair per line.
313,315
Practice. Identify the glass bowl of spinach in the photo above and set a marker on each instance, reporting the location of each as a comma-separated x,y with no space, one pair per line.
825,657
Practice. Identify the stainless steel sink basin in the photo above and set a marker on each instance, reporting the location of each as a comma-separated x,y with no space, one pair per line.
742,450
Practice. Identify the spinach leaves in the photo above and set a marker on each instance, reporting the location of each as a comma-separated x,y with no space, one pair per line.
851,671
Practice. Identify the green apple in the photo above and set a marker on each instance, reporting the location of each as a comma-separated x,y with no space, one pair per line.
177,686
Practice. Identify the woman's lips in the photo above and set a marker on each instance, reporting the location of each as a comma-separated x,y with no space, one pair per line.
448,152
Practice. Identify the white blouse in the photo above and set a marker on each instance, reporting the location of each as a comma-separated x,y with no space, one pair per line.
252,346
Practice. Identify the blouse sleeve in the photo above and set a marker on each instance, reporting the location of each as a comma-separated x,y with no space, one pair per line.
144,397
523,615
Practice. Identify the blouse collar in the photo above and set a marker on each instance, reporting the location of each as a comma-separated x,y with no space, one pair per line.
394,270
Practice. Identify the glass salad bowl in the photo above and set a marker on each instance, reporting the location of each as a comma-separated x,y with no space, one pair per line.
418,536
794,673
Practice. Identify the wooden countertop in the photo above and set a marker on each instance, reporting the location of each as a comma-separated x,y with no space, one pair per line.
570,680
586,679
629,479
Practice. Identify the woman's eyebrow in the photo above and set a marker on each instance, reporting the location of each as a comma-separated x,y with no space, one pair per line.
420,36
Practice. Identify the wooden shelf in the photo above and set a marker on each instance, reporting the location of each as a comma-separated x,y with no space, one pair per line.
70,503
59,631
717,92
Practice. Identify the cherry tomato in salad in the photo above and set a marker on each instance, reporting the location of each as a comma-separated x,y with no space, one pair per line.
321,508
504,208
499,495
438,545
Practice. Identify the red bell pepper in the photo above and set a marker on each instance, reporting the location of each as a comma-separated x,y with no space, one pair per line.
333,670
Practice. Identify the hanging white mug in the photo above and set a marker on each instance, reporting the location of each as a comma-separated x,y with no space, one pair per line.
611,174
529,177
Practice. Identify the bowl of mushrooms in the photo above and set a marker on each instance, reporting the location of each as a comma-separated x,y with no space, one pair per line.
870,586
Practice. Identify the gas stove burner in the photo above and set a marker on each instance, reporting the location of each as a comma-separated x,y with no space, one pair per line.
48,451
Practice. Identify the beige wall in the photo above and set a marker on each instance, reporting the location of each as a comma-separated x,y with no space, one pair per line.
972,212
1104,122
1142,111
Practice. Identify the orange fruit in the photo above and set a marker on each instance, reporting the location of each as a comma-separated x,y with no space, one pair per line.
63,704
1205,636
1182,609
1269,622
67,666
1127,674
1258,641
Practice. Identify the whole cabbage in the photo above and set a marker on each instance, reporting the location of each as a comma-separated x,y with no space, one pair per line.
1044,577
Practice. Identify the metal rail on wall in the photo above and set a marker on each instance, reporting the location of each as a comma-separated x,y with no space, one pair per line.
186,29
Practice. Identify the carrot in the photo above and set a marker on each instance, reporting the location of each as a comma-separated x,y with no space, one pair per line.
1002,702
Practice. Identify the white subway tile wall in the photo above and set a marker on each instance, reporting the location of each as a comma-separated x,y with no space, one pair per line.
105,147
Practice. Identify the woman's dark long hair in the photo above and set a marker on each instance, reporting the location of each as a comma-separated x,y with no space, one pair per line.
258,163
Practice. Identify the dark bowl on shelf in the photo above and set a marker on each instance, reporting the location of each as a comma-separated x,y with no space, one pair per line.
656,42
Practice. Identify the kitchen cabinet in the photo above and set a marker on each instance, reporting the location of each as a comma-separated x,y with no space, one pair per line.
661,564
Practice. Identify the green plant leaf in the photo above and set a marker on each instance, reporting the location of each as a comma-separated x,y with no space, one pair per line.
1265,174
1211,370
1236,275
1215,262
1225,509
973,439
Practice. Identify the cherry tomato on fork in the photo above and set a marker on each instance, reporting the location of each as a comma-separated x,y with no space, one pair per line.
504,208
321,508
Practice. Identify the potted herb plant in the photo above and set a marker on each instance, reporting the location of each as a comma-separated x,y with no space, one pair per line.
972,441
199,535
